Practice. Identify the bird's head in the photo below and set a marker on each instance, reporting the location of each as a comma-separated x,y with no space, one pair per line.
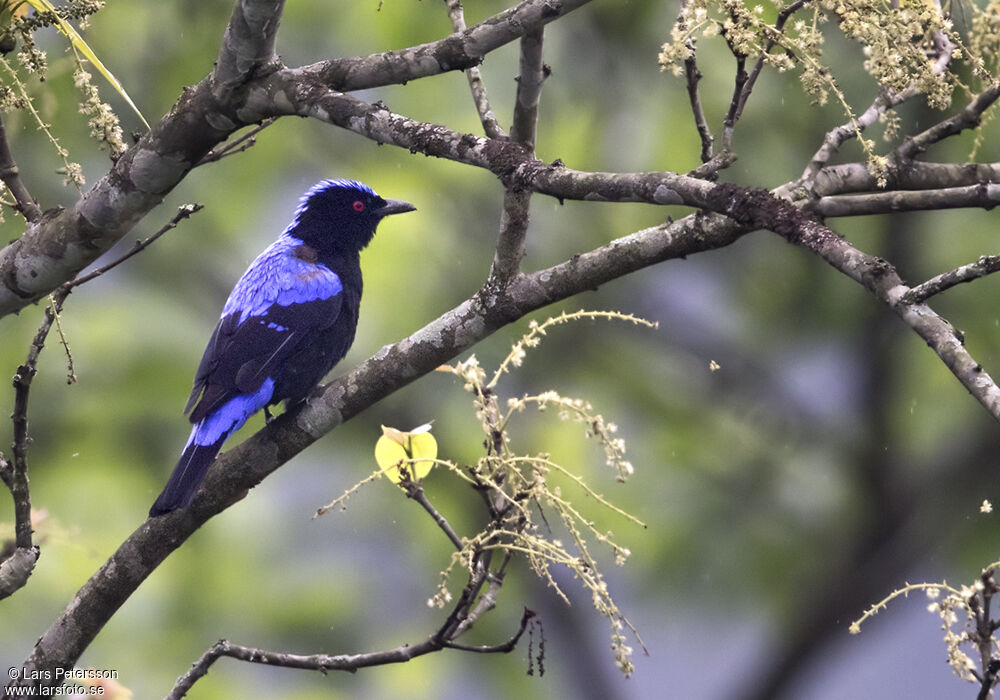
337,216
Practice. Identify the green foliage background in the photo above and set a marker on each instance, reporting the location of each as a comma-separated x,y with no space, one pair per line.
759,481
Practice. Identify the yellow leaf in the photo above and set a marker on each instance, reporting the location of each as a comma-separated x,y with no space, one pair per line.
396,447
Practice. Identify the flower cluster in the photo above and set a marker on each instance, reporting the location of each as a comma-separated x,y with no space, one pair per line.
969,606
529,514
101,119
907,48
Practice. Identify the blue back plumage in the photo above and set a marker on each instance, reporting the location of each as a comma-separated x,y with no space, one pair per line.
279,276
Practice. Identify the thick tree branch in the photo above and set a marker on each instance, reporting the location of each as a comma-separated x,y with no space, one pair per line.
509,160
849,178
248,43
459,51
985,196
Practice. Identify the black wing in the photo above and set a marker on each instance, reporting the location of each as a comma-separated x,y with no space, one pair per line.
241,356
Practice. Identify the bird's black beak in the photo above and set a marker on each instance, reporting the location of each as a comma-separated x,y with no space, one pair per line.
394,206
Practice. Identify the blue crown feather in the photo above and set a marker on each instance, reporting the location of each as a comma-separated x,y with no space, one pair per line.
324,185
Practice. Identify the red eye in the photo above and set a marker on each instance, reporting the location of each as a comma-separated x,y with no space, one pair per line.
358,206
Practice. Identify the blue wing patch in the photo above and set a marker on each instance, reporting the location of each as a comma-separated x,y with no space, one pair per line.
231,416
280,276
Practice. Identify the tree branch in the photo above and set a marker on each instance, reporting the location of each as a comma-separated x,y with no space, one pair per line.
885,101
760,209
850,178
986,265
243,143
491,127
693,77
747,87
185,211
529,89
985,196
517,200
16,569
11,177
415,491
459,51
248,44
968,118
328,662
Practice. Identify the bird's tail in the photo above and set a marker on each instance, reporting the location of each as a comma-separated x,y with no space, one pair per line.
205,442
187,476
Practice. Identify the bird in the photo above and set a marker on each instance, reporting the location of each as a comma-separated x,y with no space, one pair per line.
290,318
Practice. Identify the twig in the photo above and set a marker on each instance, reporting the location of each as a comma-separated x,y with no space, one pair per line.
55,305
729,123
693,76
15,472
835,138
11,177
243,143
967,118
184,211
15,570
504,648
709,170
745,82
748,84
491,127
488,600
415,490
986,265
338,662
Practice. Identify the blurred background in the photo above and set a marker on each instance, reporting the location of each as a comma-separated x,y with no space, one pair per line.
828,460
